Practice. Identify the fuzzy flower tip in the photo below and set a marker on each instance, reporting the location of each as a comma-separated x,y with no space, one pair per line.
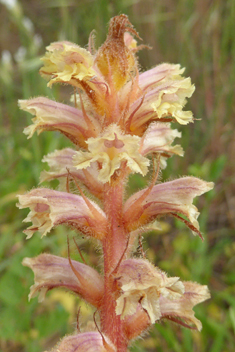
114,59
111,149
140,282
171,100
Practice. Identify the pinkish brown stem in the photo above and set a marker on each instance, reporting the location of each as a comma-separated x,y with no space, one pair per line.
114,246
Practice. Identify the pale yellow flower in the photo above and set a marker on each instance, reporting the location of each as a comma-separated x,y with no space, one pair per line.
140,282
171,100
178,310
162,96
65,60
111,149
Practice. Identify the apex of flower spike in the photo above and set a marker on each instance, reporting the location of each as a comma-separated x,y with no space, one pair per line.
114,59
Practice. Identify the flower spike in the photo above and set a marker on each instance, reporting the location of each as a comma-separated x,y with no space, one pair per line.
119,123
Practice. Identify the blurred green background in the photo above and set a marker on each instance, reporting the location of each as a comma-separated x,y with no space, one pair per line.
198,34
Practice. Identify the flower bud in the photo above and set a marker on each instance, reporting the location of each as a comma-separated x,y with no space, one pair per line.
114,59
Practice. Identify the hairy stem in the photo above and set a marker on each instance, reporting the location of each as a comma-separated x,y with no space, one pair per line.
114,246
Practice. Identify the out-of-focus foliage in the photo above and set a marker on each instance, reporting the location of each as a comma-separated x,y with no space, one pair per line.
198,34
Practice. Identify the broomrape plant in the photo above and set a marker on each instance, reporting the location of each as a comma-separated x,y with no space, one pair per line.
120,118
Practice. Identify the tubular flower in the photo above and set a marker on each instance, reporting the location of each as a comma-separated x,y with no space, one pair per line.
119,119
54,116
159,95
165,101
174,197
50,208
68,63
179,310
110,150
140,282
52,272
